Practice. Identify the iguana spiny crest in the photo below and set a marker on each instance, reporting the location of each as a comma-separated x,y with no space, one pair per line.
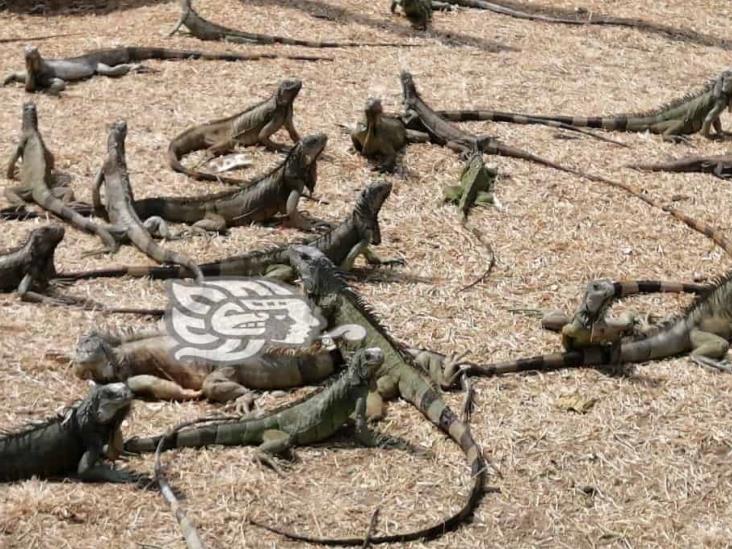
303,156
368,205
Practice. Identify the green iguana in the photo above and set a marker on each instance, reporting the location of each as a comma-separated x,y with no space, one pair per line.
476,186
397,376
75,444
253,126
38,182
51,75
343,244
279,191
379,137
418,12
119,206
310,420
703,331
205,30
698,111
719,165
145,362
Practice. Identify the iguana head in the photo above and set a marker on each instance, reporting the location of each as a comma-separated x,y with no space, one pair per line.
30,116
724,87
598,297
303,159
287,91
110,403
32,58
365,362
94,359
368,205
408,88
318,274
373,109
116,138
44,241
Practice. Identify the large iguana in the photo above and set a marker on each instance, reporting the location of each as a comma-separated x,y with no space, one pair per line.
379,137
418,12
145,362
397,376
51,75
719,165
697,111
343,244
279,191
38,182
119,206
253,126
206,30
75,444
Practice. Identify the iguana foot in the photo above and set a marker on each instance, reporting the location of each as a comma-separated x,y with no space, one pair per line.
245,404
268,460
142,69
712,364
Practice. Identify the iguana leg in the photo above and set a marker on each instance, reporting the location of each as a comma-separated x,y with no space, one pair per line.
347,264
15,77
294,217
672,132
160,389
280,272
220,385
157,227
711,118
56,86
707,344
18,196
117,70
274,443
290,127
17,154
64,194
414,136
96,188
90,469
212,223
386,388
373,259
265,135
362,432
554,321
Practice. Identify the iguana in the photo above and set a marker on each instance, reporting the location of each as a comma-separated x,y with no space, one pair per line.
145,362
311,420
206,30
703,331
253,126
38,182
697,111
75,444
52,75
277,192
476,186
343,244
719,165
379,137
420,117
397,376
418,12
119,206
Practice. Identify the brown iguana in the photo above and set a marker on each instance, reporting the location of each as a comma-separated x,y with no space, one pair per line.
697,111
279,191
719,165
379,137
51,75
399,375
145,362
418,12
343,244
75,444
253,126
119,205
38,182
205,30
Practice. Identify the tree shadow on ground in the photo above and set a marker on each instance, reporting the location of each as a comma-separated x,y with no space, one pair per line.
73,7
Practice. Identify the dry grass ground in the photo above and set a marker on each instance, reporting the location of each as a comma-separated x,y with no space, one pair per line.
647,466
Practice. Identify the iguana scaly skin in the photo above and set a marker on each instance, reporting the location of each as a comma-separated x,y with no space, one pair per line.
397,376
277,192
38,182
206,30
75,444
311,420
254,126
29,268
52,75
718,165
703,331
476,186
695,112
120,205
145,362
379,137
418,12
343,244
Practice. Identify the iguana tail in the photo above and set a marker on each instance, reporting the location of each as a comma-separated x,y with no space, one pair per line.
136,271
54,205
174,156
143,54
624,288
687,164
144,242
414,389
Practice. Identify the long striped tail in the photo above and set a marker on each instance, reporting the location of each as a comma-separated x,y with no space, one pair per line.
625,288
591,356
145,243
142,54
82,223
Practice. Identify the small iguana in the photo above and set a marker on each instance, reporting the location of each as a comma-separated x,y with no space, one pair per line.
75,444
206,30
312,419
145,362
38,182
119,205
253,126
343,244
279,191
399,375
719,165
703,331
697,111
476,186
52,75
418,12
379,137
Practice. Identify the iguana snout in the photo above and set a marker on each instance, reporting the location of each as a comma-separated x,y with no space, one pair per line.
110,400
367,361
30,115
288,90
91,359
